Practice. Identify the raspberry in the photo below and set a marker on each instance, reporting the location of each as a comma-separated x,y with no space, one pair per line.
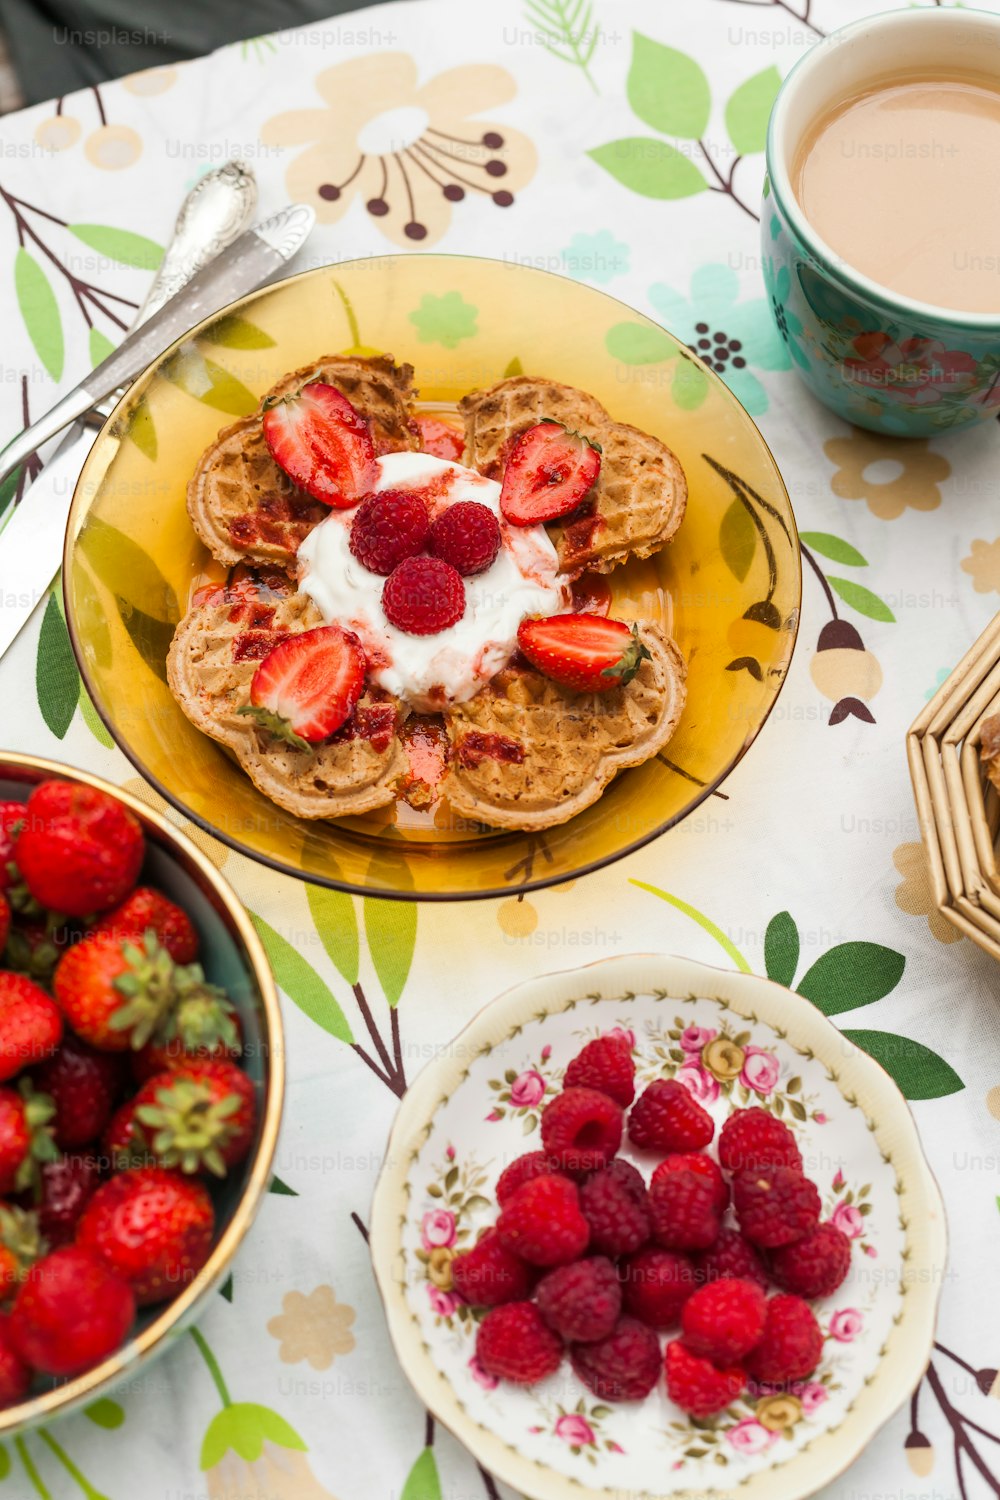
684,1210
467,535
388,527
731,1255
613,1202
655,1286
542,1223
696,1385
666,1117
753,1138
423,595
724,1321
514,1344
792,1343
581,1129
775,1205
581,1302
489,1274
622,1367
704,1166
521,1170
604,1064
815,1265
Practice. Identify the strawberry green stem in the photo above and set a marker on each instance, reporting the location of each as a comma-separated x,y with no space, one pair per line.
29,1468
213,1366
70,1467
705,923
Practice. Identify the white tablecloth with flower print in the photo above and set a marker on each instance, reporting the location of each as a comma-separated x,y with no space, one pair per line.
289,1388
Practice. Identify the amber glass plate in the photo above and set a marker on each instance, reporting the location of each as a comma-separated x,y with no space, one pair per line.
728,588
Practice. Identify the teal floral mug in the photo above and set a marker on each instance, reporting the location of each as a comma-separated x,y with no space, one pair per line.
879,359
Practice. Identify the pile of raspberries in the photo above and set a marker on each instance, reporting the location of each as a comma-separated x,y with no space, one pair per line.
588,1259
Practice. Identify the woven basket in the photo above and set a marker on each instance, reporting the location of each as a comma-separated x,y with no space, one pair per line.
958,808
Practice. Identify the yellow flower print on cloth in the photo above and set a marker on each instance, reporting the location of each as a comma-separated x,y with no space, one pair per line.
914,894
409,151
891,475
314,1327
983,566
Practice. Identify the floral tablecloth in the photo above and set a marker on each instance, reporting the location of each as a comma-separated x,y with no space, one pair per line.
289,1388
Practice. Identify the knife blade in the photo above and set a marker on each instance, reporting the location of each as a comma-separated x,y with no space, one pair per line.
31,541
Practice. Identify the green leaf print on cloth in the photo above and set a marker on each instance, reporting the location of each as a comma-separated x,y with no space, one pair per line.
301,983
920,1073
730,335
749,109
669,92
40,312
652,168
423,1481
119,245
57,681
444,320
667,89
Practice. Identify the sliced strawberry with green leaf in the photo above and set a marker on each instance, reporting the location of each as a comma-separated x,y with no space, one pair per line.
585,652
548,474
322,443
307,687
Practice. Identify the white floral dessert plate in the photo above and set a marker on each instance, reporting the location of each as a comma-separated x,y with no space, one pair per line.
735,1040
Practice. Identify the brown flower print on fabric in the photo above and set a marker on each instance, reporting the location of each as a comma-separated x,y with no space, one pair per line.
314,1327
983,565
913,894
410,152
907,476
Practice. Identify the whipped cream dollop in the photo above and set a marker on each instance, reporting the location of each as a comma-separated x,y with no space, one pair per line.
428,671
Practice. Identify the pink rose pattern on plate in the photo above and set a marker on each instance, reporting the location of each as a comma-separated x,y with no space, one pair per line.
713,1062
580,1427
523,1093
718,1065
455,1211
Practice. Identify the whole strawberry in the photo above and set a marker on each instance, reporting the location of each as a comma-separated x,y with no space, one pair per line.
152,1228
198,1028
79,850
117,994
63,1190
25,1136
11,821
15,1375
145,910
197,1119
84,1085
30,1024
70,1313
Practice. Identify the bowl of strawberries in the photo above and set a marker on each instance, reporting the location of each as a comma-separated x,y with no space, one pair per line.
650,1228
141,1079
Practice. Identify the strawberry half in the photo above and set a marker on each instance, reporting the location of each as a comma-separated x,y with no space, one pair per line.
307,687
548,474
585,652
321,442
